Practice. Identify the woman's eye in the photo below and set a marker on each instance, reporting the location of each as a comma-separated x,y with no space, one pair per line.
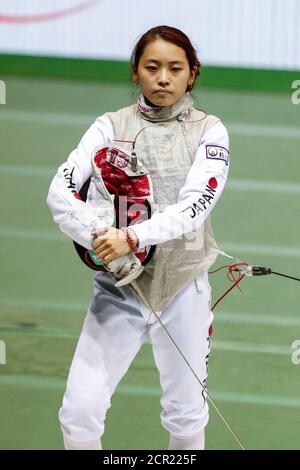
151,67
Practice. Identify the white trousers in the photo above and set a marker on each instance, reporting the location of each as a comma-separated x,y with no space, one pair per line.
116,326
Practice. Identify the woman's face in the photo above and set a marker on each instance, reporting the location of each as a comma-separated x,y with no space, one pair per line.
163,72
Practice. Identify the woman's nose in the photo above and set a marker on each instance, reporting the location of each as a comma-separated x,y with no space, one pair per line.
163,77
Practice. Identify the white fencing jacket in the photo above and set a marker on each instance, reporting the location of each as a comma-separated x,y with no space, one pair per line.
187,154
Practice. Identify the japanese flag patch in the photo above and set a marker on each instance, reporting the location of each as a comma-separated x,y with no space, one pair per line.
216,152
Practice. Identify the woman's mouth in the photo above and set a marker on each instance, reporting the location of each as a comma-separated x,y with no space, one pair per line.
162,92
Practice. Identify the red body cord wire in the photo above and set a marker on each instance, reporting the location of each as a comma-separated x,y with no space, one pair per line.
230,269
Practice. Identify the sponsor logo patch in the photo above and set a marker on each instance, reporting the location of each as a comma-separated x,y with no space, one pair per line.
117,158
216,152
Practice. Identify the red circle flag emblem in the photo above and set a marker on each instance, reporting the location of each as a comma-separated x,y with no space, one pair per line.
47,16
213,183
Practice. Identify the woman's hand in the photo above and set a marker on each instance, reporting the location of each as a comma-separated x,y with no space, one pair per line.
111,243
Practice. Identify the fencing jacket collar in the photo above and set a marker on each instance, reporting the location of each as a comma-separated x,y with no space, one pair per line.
178,110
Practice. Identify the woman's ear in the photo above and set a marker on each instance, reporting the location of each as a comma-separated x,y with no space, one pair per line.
134,74
193,74
192,77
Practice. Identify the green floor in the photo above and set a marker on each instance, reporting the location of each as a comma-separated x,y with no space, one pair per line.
43,284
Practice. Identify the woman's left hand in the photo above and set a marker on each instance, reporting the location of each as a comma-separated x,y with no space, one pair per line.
111,243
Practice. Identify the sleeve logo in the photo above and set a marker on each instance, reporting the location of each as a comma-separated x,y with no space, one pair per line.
216,152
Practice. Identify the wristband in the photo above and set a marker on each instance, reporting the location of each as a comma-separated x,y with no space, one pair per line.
131,242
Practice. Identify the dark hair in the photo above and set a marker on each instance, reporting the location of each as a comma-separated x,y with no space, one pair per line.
173,35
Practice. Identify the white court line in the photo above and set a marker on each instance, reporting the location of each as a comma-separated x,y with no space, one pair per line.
263,130
235,249
27,170
256,348
234,184
237,184
282,320
216,345
259,249
40,117
33,234
226,396
24,304
255,319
